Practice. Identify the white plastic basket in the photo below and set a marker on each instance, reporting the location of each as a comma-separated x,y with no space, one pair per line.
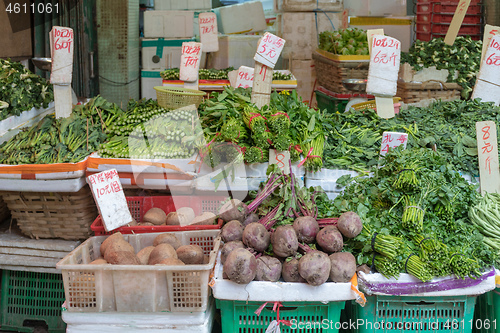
138,288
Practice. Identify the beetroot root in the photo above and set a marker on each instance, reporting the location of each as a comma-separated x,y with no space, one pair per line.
228,248
350,224
232,231
234,209
306,228
268,269
252,217
240,266
343,266
284,240
315,267
290,271
256,236
330,239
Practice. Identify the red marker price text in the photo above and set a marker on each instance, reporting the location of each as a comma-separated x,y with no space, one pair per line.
207,25
105,183
494,58
63,39
392,140
270,47
487,147
193,55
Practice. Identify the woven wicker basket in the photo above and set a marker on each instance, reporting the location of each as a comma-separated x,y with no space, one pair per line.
53,215
173,98
414,92
332,69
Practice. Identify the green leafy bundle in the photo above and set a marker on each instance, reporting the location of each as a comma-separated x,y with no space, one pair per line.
350,41
215,74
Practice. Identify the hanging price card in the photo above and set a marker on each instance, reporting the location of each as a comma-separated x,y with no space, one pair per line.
110,199
269,50
392,140
208,32
487,85
245,77
489,32
62,46
190,61
456,21
487,149
281,159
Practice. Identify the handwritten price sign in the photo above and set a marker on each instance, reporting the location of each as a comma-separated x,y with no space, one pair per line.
489,32
110,199
281,159
386,50
490,68
269,50
245,77
392,140
62,46
208,32
487,148
456,21
190,61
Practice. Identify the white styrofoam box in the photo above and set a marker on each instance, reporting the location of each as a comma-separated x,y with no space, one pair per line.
365,280
168,24
278,291
235,51
160,53
12,125
400,28
326,184
308,5
37,185
301,29
150,79
129,322
241,18
330,174
183,5
376,7
332,195
304,72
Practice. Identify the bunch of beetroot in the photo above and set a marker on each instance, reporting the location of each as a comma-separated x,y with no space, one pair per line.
300,252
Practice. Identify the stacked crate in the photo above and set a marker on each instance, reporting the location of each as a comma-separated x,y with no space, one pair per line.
165,29
299,23
434,18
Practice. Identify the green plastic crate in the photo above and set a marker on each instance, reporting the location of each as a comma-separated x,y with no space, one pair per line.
239,316
331,104
30,299
487,313
390,314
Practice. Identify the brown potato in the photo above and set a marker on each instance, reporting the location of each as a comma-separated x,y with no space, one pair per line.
160,252
121,258
171,262
109,240
167,239
99,261
119,245
143,254
156,216
206,218
190,254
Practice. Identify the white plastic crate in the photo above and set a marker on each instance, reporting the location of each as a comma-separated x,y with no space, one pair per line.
168,24
183,4
138,288
150,79
301,30
241,18
159,53
176,322
308,5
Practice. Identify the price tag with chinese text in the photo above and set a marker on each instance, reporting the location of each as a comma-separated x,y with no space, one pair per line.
489,32
392,140
110,199
190,61
208,32
487,149
269,49
456,21
62,47
281,159
245,77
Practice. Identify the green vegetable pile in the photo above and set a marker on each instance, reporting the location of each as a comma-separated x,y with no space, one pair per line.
415,212
354,138
148,131
215,74
62,140
350,41
463,59
486,217
233,126
22,89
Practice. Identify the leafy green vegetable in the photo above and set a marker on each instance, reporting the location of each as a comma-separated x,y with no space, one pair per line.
350,41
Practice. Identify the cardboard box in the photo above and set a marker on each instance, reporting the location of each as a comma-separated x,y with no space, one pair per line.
301,30
15,30
159,53
241,18
308,5
183,4
168,24
376,7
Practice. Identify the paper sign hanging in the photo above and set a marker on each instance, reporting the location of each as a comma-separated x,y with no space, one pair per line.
487,85
392,140
456,21
61,50
281,159
232,76
384,66
245,77
208,32
487,149
269,49
190,61
110,199
489,32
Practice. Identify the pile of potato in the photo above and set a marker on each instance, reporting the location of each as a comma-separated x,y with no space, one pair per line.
183,216
166,250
